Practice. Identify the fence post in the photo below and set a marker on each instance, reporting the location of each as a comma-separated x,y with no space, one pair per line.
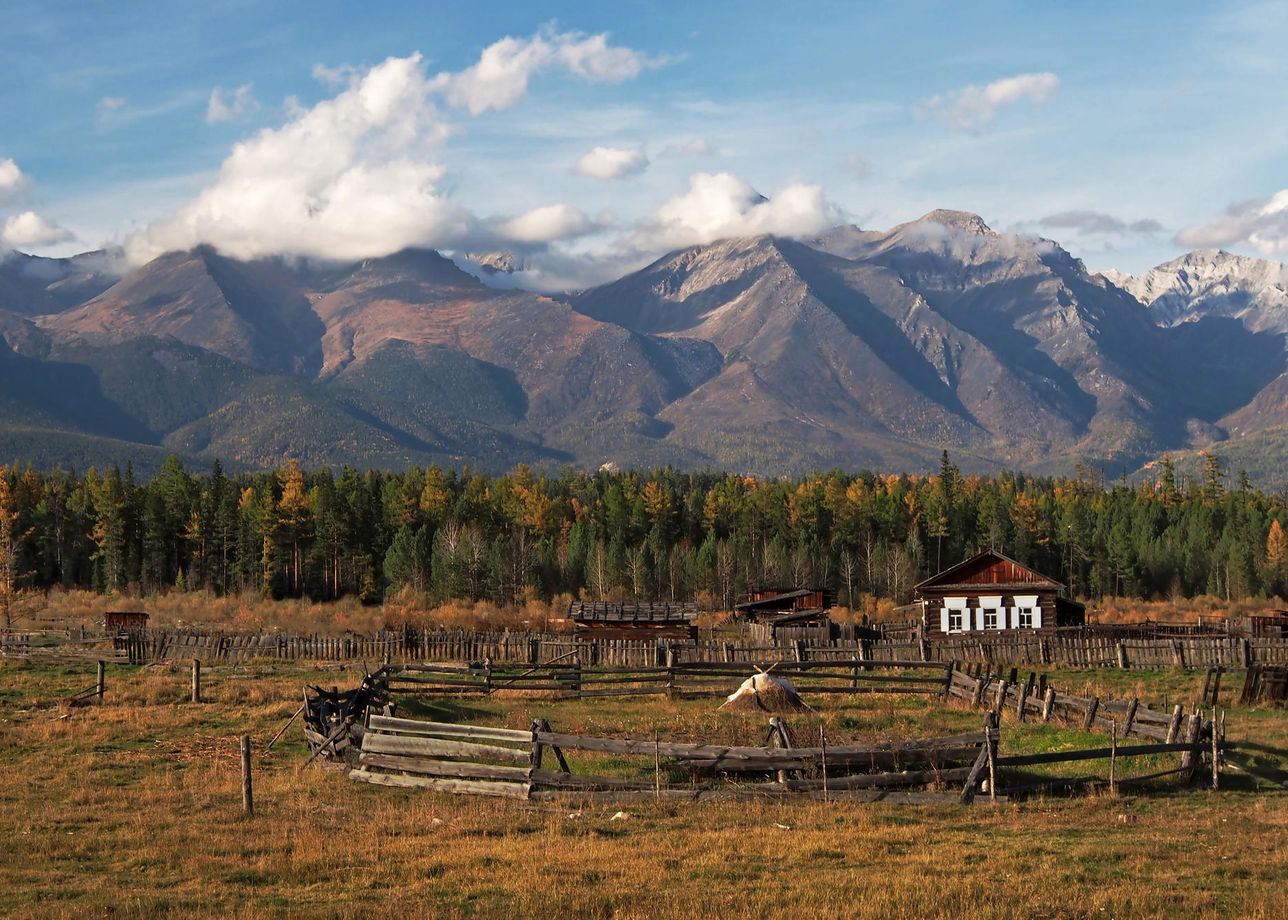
1130,718
1048,704
1174,726
1121,651
100,685
196,680
248,801
1089,722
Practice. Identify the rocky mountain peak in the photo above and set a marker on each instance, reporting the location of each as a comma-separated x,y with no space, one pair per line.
962,221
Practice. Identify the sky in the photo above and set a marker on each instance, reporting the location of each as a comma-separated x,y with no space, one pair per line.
591,138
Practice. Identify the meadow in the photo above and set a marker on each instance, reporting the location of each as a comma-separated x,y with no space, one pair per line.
133,809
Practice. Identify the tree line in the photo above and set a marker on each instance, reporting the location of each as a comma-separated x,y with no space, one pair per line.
658,535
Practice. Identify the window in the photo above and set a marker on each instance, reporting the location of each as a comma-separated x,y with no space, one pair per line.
954,620
1026,617
990,618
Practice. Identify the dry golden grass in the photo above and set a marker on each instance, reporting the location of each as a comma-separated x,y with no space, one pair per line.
132,809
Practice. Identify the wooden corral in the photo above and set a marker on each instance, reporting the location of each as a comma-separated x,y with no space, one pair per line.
991,592
608,620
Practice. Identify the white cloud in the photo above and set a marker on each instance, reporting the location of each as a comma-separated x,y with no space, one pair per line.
974,108
1260,224
858,167
612,162
12,180
720,206
109,104
357,175
541,225
698,147
227,107
349,178
29,229
500,78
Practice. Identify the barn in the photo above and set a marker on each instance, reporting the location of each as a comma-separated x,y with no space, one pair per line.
991,592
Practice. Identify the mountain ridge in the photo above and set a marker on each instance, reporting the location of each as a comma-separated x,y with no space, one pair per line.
763,354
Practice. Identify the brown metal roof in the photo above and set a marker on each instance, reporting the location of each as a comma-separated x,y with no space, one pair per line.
984,569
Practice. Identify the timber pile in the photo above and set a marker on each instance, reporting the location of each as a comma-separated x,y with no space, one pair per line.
334,720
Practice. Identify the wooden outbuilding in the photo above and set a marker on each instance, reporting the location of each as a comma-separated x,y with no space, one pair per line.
774,603
991,592
124,621
609,620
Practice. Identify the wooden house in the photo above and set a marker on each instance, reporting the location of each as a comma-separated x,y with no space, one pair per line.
124,621
608,620
991,592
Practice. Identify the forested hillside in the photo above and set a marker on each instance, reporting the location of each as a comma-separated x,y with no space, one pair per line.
658,535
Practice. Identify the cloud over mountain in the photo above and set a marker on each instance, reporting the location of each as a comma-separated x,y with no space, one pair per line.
721,205
29,229
1261,224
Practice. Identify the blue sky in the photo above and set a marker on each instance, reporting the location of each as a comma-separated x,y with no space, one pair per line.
591,137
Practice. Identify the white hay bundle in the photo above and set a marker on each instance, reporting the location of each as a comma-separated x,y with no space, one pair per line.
762,693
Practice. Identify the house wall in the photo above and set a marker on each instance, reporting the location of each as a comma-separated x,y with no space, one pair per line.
957,610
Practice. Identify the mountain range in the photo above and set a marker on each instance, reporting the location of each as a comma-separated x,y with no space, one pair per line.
764,355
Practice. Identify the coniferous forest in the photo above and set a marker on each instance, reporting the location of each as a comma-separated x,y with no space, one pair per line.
662,535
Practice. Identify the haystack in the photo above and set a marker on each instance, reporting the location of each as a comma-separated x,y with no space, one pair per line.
765,694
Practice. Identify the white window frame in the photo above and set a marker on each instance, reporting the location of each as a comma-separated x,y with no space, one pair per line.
1026,605
992,615
955,609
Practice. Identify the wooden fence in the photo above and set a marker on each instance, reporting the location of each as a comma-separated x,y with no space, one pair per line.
570,679
507,762
482,760
1056,648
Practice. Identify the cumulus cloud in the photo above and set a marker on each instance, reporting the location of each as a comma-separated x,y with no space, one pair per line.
1260,224
542,225
974,108
721,205
12,181
612,162
500,78
349,178
29,229
229,106
1082,221
109,104
357,175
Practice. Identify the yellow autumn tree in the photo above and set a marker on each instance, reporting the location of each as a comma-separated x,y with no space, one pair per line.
1276,564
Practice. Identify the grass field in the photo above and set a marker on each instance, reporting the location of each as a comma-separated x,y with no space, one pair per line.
133,809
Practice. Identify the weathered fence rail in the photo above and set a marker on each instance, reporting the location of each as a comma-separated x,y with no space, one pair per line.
570,679
1055,648
480,760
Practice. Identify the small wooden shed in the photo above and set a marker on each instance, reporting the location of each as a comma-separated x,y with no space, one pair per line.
609,620
124,621
773,603
992,592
